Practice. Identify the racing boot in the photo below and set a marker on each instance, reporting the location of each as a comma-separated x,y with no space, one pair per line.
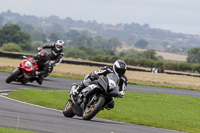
110,105
74,91
80,87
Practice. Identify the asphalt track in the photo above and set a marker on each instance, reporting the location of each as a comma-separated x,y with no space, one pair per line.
25,116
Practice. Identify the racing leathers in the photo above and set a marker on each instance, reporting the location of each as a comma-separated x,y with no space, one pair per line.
109,73
44,69
55,55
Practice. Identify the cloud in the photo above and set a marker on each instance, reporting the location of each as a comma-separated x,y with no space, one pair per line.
177,15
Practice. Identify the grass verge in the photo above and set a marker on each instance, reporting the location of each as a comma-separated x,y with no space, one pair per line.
149,109
164,86
10,130
7,71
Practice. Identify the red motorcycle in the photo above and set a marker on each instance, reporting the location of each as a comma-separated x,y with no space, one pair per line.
25,71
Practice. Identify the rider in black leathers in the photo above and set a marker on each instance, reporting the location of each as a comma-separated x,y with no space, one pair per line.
117,72
56,52
42,60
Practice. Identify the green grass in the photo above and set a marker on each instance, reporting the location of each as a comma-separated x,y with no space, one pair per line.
151,109
9,130
164,86
7,71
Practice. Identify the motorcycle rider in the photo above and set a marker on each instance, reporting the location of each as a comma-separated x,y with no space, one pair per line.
56,52
115,72
42,60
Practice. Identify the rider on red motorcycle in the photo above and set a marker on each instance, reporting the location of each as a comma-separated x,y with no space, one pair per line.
42,60
56,51
116,73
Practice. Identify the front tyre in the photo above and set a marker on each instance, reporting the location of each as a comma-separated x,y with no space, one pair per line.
67,111
92,110
13,76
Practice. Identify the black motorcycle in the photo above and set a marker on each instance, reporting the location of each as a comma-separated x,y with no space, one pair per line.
91,100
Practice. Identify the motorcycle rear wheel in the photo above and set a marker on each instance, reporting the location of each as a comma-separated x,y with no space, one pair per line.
67,111
91,111
13,76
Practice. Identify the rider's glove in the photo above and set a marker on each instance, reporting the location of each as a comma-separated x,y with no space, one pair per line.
37,73
52,62
39,48
93,76
121,94
24,57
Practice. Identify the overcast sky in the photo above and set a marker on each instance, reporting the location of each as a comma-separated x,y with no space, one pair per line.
181,16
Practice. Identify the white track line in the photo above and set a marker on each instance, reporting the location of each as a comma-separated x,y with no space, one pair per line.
30,104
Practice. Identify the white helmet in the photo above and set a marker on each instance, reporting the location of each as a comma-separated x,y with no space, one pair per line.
59,44
119,67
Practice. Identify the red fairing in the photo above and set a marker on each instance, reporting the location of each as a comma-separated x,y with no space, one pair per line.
28,67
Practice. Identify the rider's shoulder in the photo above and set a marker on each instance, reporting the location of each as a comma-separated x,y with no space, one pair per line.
124,78
108,68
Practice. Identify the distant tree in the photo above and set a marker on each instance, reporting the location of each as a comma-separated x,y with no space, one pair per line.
150,54
99,43
36,44
174,49
113,43
81,40
86,32
38,36
13,33
71,34
141,44
26,27
11,47
53,37
75,52
55,28
193,55
131,54
131,39
1,20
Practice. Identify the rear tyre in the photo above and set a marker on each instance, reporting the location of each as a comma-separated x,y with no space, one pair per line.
13,76
67,111
91,111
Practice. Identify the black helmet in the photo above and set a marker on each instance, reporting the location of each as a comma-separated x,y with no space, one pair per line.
43,55
119,67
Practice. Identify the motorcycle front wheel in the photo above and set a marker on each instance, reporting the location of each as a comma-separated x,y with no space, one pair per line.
67,111
13,76
92,110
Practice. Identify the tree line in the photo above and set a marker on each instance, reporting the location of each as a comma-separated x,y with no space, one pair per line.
13,38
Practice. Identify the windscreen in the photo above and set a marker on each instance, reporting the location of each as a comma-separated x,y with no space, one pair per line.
113,77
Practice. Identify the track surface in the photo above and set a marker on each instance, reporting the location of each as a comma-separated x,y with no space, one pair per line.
41,120
51,83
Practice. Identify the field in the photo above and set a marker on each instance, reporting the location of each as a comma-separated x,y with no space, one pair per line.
133,76
165,55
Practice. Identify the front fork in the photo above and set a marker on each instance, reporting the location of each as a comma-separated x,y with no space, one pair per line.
18,69
93,99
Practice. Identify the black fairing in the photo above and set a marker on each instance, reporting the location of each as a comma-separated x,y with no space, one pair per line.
103,83
101,89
